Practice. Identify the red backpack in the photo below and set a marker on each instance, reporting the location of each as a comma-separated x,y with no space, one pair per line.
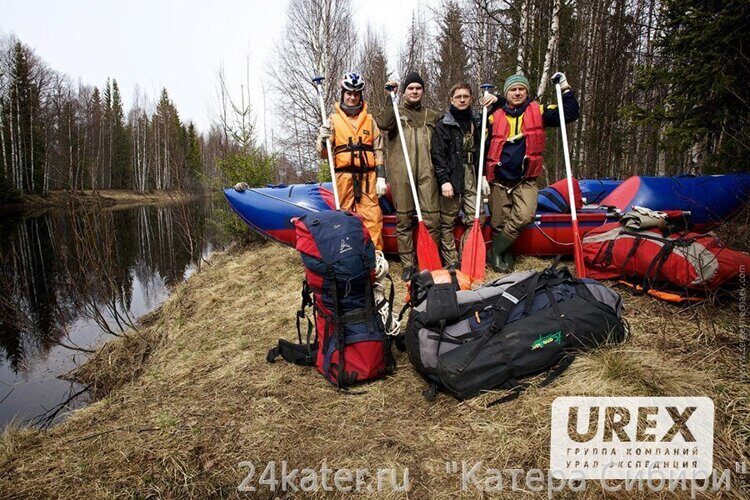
659,262
350,344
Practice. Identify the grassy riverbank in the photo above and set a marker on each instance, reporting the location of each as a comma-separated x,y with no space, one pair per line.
190,396
111,198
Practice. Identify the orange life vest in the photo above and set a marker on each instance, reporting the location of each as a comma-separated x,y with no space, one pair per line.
532,128
353,140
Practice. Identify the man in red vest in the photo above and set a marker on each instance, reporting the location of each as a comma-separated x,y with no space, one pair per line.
514,160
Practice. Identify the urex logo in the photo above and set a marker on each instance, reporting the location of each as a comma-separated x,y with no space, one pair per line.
619,437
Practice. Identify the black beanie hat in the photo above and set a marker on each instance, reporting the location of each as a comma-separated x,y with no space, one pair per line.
412,77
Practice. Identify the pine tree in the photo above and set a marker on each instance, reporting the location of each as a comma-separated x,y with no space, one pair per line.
95,132
123,170
414,56
373,66
451,58
24,118
106,133
704,66
193,160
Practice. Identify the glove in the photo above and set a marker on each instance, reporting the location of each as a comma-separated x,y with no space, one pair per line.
447,190
559,77
241,186
324,133
488,100
381,187
485,187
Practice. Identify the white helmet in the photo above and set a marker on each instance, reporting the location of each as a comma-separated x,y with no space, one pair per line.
353,82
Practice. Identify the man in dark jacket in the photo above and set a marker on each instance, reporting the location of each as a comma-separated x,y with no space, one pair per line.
514,160
454,154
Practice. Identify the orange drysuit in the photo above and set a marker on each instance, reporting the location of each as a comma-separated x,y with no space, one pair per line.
357,147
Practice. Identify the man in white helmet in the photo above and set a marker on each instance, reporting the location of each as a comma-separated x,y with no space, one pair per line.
358,157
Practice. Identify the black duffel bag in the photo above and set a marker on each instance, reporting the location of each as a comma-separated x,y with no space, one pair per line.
522,324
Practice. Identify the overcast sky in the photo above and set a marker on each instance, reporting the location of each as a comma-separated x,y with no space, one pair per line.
174,44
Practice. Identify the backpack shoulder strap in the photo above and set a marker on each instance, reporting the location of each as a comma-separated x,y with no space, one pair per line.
301,353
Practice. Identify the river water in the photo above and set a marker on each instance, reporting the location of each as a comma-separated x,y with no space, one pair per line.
72,279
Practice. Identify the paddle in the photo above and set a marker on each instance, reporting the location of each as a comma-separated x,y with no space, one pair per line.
317,81
427,252
577,250
474,255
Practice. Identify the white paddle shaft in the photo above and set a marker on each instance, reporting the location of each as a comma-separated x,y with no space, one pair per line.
329,150
406,156
566,154
481,160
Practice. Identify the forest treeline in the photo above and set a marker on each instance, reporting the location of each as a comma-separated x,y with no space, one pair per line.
663,84
56,134
663,87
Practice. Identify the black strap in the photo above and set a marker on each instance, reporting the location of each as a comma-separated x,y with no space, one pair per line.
656,264
682,240
558,314
502,309
301,353
440,338
552,374
454,279
338,330
352,147
431,392
608,252
401,313
370,307
555,263
356,151
531,294
306,301
636,243
298,354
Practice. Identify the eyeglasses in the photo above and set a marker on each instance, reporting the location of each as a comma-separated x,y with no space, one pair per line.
461,97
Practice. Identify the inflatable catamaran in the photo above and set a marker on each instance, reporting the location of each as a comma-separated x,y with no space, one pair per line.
703,202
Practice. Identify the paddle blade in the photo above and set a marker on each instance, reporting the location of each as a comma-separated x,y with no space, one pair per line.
474,253
578,252
427,252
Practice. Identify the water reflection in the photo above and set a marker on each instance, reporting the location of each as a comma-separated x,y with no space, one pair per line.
72,279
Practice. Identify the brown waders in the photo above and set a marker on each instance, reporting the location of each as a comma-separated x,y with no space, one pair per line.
511,208
449,209
418,124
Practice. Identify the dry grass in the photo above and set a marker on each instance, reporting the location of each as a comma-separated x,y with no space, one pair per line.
193,396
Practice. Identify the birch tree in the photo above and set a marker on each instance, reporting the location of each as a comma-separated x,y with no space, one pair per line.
551,47
318,39
522,37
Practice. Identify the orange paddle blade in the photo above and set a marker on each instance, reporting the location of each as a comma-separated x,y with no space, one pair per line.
427,252
474,255
578,252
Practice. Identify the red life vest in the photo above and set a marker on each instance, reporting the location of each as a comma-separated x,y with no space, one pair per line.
532,128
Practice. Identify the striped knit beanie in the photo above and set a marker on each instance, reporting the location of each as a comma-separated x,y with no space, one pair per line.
516,80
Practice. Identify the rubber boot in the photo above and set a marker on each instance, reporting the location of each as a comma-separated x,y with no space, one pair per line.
509,258
500,245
